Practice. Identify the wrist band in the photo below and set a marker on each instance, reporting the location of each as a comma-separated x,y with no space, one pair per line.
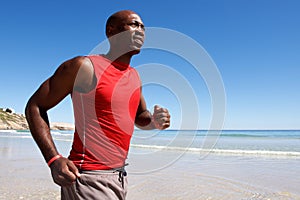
54,159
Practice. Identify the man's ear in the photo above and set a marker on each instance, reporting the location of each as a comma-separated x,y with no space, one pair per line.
110,30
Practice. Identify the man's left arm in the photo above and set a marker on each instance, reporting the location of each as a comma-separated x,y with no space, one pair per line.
160,119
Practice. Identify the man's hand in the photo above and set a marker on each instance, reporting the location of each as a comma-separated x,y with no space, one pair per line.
64,172
161,117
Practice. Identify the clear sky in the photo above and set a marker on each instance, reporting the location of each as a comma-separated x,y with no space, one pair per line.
255,45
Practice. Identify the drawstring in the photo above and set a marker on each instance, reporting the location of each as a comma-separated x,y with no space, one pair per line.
121,177
122,173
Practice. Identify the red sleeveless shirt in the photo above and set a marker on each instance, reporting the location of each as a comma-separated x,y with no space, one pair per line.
104,117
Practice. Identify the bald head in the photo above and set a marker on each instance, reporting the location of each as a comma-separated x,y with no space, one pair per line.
116,20
125,32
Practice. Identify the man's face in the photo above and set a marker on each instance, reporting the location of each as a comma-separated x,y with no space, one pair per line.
134,25
131,34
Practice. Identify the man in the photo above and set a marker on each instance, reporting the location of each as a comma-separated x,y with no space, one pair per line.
107,101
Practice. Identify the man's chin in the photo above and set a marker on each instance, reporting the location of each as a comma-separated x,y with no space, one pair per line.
135,50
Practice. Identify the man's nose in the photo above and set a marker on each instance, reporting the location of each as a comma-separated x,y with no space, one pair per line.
140,30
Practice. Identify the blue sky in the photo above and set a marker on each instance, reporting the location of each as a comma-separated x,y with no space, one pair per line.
255,45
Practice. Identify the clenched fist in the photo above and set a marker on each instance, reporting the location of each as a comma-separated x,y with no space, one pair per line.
161,117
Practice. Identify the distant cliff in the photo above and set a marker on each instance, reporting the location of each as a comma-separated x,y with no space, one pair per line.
9,120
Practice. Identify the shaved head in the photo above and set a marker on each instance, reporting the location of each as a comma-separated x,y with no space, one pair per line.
116,19
125,31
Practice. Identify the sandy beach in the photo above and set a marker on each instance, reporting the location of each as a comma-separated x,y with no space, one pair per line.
24,175
220,177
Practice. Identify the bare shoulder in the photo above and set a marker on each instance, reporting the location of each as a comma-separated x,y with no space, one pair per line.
82,72
72,66
69,75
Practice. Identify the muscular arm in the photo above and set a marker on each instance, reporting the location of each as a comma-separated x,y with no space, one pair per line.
143,119
146,121
49,94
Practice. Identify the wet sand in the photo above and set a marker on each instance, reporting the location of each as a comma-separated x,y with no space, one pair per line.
23,173
220,177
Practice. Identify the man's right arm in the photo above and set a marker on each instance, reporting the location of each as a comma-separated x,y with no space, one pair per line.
49,94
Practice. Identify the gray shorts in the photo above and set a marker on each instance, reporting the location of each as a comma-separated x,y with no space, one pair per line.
99,184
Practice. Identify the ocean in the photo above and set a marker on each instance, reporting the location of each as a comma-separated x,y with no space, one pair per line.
283,143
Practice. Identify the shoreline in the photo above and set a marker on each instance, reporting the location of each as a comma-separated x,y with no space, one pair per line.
25,175
71,126
62,126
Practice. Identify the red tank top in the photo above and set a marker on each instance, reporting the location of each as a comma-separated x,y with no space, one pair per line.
104,117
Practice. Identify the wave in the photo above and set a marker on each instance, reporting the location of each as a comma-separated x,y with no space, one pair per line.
257,135
293,134
56,133
26,134
8,131
254,134
242,135
222,151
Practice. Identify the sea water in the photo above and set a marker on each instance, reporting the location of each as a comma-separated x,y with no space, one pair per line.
284,143
233,142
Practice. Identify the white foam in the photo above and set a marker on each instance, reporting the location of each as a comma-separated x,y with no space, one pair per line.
222,151
56,133
8,131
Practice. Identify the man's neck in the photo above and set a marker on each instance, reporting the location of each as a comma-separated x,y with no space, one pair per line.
113,56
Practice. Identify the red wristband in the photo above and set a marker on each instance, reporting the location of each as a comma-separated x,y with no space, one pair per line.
54,159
